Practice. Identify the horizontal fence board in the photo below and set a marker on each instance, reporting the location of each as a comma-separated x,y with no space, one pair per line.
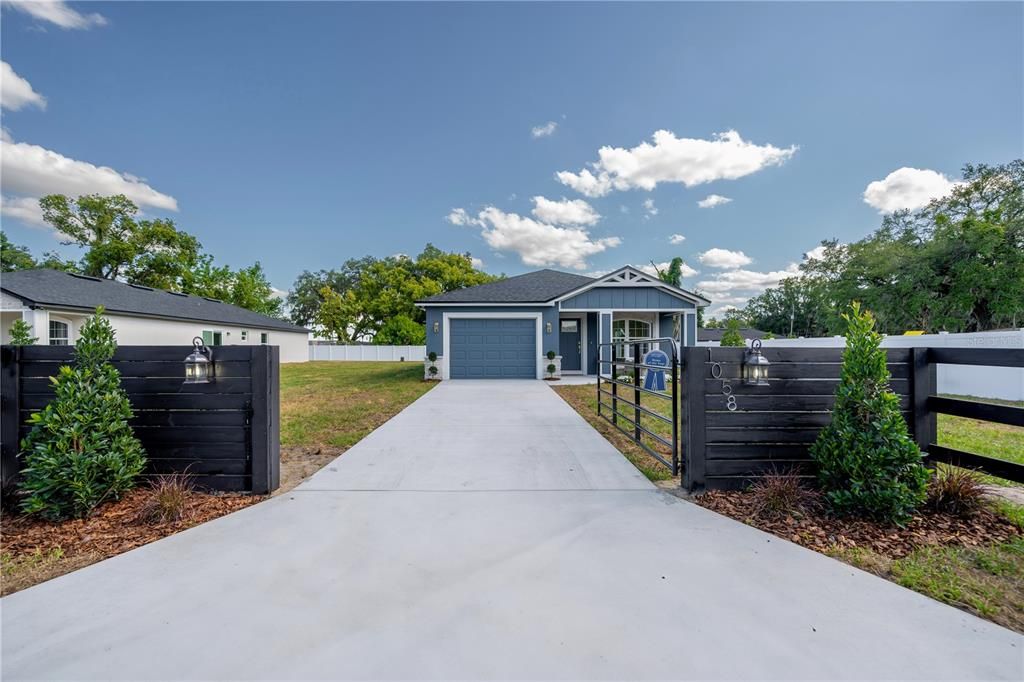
149,369
815,420
175,435
757,451
738,482
784,403
195,467
224,483
158,401
179,418
765,434
65,354
985,357
781,354
137,385
970,460
793,386
197,450
805,370
758,467
1001,414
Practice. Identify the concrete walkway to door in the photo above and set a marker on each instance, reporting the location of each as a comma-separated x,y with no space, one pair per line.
486,532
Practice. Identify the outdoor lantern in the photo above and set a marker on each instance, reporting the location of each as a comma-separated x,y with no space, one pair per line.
547,328
755,365
437,327
199,363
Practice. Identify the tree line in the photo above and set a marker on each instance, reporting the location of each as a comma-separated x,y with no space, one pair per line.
956,265
119,245
373,299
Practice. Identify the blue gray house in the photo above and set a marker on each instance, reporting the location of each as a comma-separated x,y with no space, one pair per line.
503,330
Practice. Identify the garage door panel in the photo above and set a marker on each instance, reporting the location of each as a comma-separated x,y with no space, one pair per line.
493,348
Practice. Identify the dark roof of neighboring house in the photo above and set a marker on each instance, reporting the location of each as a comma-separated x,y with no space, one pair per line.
705,334
54,288
533,287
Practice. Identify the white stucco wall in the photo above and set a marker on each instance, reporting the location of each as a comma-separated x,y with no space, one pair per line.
141,331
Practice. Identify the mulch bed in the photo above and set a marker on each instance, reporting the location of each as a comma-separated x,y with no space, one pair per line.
821,532
112,529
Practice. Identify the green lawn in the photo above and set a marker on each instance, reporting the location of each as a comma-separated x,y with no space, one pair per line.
337,403
984,438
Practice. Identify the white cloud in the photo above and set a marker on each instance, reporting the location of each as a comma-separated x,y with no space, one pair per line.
725,259
545,130
671,159
649,209
25,209
817,253
57,12
565,211
712,200
16,92
676,239
652,270
30,171
736,287
537,243
476,262
908,188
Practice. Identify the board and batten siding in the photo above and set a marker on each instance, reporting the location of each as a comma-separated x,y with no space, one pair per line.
626,298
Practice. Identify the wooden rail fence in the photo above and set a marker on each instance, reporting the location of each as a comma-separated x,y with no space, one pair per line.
225,433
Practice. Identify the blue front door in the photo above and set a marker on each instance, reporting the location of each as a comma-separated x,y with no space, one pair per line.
569,344
493,348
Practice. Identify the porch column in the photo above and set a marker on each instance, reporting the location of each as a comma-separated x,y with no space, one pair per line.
604,325
39,320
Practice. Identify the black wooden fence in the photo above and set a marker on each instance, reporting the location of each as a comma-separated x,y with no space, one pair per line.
772,427
226,433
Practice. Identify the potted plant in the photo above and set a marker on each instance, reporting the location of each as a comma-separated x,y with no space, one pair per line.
431,367
551,355
551,372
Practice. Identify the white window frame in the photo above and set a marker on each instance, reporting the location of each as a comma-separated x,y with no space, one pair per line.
264,338
629,337
538,318
245,335
49,331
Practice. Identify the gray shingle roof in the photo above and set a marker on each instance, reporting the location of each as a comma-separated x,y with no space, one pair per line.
59,289
533,287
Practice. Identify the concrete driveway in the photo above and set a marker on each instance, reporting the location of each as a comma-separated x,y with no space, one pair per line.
486,532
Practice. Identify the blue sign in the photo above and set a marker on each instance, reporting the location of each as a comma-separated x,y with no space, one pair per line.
655,379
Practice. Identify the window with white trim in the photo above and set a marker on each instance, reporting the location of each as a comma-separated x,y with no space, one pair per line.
264,338
630,330
245,335
60,333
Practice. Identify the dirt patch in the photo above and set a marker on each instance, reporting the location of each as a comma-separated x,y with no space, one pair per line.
819,531
35,550
299,462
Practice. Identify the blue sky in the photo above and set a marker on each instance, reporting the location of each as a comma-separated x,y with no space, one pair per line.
303,134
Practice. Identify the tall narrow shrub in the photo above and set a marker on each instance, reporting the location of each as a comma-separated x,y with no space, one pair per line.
81,451
868,465
21,334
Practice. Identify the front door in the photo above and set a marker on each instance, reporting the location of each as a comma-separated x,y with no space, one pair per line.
569,343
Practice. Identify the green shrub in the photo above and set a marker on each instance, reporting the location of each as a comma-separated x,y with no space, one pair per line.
21,334
81,451
867,463
732,336
551,370
551,355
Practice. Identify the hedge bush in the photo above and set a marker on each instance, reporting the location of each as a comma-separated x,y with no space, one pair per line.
81,451
867,463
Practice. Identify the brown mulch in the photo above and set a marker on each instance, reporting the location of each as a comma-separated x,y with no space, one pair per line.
815,529
112,529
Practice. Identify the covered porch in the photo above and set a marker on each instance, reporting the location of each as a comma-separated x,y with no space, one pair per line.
580,334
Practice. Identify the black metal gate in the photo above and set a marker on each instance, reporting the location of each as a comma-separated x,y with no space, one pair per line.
627,395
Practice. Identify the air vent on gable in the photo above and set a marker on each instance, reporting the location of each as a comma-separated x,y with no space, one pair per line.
88,277
139,286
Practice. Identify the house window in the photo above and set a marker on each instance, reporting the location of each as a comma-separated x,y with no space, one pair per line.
570,326
212,338
245,335
629,330
59,333
264,338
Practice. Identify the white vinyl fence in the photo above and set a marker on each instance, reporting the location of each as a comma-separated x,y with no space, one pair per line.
1004,383
379,353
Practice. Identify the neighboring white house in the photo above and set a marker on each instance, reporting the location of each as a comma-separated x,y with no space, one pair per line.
55,304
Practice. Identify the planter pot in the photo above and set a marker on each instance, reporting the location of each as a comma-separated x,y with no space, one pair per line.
427,364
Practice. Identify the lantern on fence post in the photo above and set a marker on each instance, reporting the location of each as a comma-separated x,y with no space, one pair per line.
199,363
755,365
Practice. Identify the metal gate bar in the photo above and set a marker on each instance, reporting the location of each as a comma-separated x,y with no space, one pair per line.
637,431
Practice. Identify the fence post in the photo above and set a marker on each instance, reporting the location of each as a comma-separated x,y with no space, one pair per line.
694,449
10,408
925,384
265,437
636,392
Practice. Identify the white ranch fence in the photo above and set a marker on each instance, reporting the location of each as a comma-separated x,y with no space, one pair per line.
367,353
1003,383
